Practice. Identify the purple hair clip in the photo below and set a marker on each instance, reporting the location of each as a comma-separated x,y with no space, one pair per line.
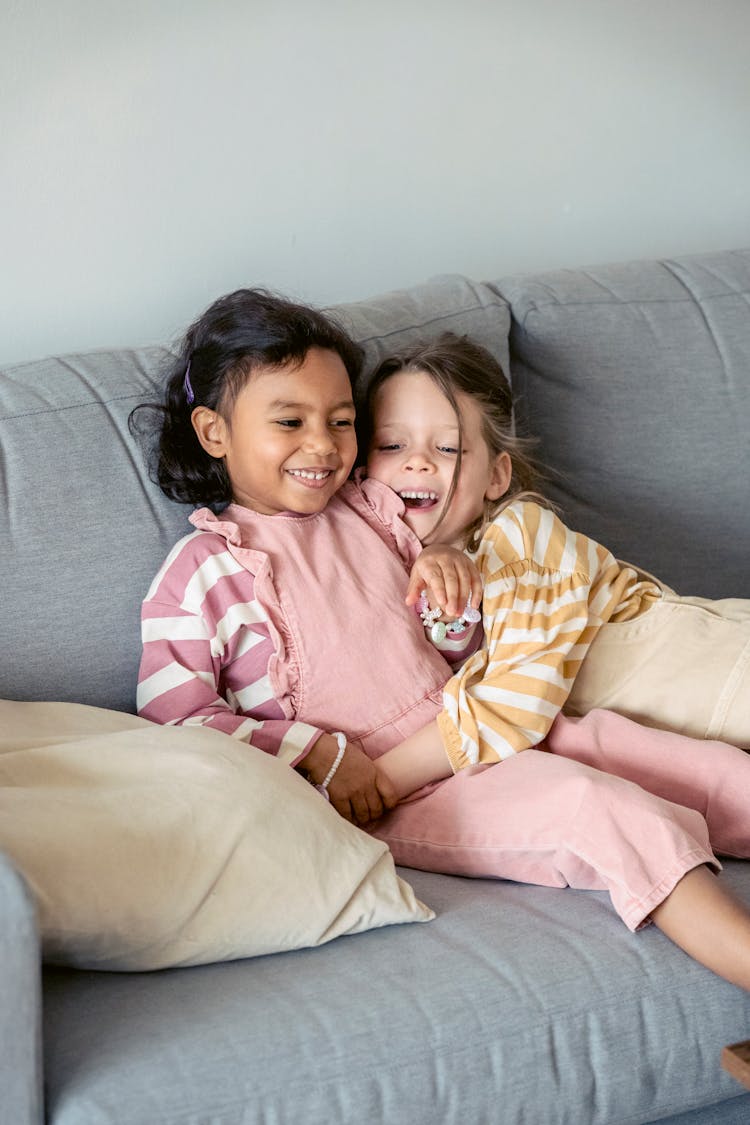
189,393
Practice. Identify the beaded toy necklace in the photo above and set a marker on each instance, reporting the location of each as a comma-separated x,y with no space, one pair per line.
439,630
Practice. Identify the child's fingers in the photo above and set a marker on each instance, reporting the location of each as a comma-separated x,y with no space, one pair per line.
461,591
361,808
463,587
433,581
450,583
388,794
375,807
425,577
471,587
342,806
446,589
414,589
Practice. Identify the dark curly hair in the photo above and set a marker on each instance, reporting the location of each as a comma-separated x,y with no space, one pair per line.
237,334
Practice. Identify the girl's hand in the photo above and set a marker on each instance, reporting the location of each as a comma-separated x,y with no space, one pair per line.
449,577
357,791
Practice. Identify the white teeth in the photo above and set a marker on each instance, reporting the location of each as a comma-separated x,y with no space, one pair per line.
418,495
307,475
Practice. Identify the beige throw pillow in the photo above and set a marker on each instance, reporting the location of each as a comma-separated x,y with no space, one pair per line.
149,846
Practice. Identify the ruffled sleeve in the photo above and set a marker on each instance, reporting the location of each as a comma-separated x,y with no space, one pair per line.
387,507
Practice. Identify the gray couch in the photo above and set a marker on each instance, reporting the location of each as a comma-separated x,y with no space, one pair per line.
516,1004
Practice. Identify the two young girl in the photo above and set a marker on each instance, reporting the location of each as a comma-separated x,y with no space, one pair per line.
282,620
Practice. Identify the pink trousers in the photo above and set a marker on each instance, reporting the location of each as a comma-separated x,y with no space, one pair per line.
603,804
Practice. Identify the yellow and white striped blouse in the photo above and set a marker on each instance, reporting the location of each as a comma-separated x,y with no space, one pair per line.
547,591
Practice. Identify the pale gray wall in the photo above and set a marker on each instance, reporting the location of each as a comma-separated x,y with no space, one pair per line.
156,154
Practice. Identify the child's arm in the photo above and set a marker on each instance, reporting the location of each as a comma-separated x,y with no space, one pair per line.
206,650
415,762
548,591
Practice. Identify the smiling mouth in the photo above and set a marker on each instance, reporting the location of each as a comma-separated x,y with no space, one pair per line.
310,474
311,478
419,500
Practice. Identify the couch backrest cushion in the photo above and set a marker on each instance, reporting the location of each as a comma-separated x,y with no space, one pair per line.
83,528
83,531
636,379
404,318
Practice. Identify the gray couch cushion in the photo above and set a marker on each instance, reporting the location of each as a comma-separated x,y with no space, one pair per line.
404,318
83,531
648,364
83,527
516,1004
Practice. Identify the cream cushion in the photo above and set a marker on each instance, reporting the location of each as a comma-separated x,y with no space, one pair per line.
148,846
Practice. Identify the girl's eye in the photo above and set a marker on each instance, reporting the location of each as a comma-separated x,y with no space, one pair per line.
390,448
342,423
289,423
449,449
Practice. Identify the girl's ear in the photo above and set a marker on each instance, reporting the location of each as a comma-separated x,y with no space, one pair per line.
211,431
502,471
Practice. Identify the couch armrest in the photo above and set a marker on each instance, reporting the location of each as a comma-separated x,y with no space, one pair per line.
20,1002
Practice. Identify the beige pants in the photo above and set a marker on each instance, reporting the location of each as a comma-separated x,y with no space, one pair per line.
683,665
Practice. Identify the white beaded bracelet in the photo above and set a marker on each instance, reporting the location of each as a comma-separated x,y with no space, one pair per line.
341,740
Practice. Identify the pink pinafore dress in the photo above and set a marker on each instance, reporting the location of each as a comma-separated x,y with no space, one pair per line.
349,654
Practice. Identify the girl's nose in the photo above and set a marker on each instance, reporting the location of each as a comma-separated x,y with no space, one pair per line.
319,439
419,462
